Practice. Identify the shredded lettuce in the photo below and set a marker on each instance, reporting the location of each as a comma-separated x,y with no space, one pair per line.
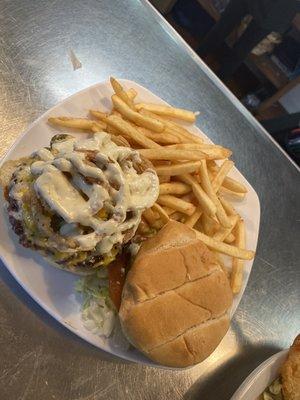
97,312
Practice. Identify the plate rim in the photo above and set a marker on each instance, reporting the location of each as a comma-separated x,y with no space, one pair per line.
255,374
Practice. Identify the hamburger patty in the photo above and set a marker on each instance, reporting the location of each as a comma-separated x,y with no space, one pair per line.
37,228
51,222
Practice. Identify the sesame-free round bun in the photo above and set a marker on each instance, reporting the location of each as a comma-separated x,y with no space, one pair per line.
176,299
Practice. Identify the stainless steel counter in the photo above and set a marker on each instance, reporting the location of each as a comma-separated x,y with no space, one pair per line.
39,359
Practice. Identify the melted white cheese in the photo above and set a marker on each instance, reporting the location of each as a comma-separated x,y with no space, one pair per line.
108,183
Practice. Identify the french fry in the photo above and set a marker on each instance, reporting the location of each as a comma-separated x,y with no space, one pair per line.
189,197
193,219
210,225
128,130
221,174
172,127
143,227
98,127
228,182
177,188
206,184
149,216
131,93
158,224
178,169
212,152
222,233
164,178
163,215
171,154
69,122
176,203
230,238
161,138
235,186
236,279
120,140
230,210
173,112
225,248
169,210
227,192
141,120
99,114
118,88
178,216
204,200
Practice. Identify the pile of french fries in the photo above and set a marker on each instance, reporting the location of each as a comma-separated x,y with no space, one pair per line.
194,186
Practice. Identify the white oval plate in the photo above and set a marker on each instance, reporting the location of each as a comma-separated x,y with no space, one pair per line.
54,289
261,378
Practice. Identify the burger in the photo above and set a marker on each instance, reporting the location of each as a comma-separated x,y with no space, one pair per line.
78,201
176,298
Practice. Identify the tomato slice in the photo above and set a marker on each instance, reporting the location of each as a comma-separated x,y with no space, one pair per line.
116,277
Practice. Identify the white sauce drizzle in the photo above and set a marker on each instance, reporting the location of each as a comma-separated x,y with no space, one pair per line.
110,182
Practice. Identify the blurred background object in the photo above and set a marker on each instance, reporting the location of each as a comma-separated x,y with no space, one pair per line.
254,48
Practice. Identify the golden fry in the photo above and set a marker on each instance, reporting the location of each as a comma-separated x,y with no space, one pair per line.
230,210
169,210
173,112
99,126
131,93
178,169
177,188
149,216
225,248
171,154
234,185
176,203
173,127
118,88
193,219
210,225
224,191
230,238
99,114
212,152
69,122
222,233
206,184
163,215
178,216
221,174
205,202
141,120
228,182
161,138
128,130
236,279
164,178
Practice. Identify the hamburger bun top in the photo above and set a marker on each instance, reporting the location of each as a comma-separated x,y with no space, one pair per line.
176,299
